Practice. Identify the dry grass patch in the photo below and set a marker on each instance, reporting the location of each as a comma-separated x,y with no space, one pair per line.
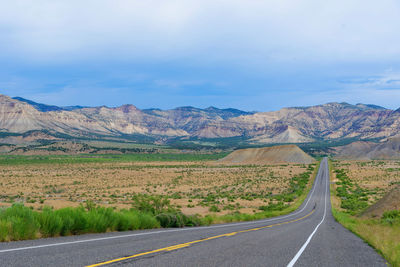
192,186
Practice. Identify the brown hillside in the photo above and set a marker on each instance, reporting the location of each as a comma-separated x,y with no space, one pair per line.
368,150
391,201
268,155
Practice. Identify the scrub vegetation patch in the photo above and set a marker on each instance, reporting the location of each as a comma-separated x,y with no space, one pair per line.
55,196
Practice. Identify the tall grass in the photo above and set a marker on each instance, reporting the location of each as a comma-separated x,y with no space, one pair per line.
19,222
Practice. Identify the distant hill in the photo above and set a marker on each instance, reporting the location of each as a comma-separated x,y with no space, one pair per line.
268,155
331,121
44,107
38,106
211,112
389,149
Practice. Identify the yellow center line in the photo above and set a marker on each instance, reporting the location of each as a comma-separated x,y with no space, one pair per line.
183,245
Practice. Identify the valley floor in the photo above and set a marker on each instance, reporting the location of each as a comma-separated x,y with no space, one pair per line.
179,190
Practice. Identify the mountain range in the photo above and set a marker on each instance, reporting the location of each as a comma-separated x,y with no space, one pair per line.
331,121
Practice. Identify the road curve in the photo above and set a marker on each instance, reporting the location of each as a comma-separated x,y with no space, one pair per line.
307,237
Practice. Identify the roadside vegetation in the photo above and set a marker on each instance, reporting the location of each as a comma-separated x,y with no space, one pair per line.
19,222
354,199
147,194
280,204
105,158
351,198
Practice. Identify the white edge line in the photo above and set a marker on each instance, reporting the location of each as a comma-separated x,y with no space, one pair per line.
297,256
167,231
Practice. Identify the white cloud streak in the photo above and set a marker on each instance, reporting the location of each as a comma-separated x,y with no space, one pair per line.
278,31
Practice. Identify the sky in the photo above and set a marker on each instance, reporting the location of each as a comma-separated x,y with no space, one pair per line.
253,55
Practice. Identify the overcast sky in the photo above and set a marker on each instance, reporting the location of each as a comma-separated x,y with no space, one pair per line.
250,54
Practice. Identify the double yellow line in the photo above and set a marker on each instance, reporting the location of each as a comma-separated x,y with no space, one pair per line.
183,245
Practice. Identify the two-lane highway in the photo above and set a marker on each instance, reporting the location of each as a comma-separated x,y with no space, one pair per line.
307,237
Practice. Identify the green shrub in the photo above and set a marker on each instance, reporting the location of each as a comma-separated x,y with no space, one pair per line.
146,220
193,220
74,220
151,204
5,229
391,217
274,206
100,219
20,222
354,199
125,221
170,220
177,219
208,219
214,208
50,223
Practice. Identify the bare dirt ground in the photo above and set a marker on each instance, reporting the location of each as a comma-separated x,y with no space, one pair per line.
194,187
266,155
373,173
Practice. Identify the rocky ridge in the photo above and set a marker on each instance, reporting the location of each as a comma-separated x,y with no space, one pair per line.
288,125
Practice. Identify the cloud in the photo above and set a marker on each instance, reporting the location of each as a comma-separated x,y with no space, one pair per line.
235,31
388,80
251,54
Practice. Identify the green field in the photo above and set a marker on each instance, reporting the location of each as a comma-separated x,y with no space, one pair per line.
89,158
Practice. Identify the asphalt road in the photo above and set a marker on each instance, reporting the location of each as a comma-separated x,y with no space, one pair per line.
307,237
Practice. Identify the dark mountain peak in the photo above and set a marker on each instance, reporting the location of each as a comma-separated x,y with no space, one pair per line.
70,108
46,108
187,108
232,110
369,106
39,106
